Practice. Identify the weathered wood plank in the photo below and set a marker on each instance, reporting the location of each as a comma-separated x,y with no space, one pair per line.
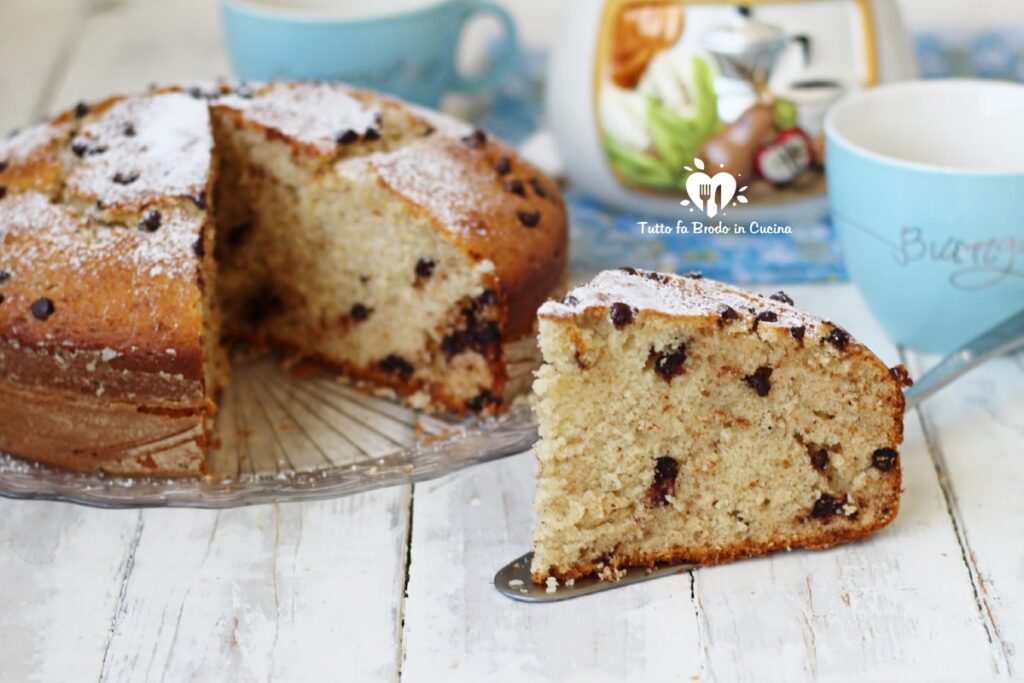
296,592
35,41
975,430
897,606
60,567
125,46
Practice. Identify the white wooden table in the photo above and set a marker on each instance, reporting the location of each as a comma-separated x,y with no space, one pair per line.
396,584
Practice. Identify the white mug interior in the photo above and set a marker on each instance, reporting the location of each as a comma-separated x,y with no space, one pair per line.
934,125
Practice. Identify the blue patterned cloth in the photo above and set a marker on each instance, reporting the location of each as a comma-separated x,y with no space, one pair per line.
604,237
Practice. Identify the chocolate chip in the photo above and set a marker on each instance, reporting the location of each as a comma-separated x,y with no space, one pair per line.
263,305
488,297
694,275
396,365
199,247
883,459
900,374
150,221
529,218
428,131
3,166
538,189
669,363
3,191
195,92
42,308
760,380
503,165
371,134
781,297
81,109
199,200
477,138
627,269
569,300
484,336
455,343
129,130
79,148
515,186
424,268
621,314
239,234
819,458
666,470
765,317
727,313
798,332
657,277
482,400
126,178
346,137
826,506
839,338
5,275
1,298
359,312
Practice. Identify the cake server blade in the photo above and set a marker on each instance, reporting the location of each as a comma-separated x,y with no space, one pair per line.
514,581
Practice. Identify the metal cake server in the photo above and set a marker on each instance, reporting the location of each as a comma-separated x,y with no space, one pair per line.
513,580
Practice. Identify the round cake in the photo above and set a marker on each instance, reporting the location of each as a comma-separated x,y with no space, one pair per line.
142,234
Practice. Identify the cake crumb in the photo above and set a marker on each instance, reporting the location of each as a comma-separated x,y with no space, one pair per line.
551,585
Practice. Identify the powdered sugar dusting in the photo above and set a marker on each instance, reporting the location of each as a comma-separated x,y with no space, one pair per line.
20,146
311,113
35,231
435,174
673,295
143,148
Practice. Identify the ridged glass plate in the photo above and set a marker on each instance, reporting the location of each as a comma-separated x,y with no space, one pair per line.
285,436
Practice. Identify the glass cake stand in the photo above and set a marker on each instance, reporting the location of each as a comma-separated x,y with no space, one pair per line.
286,436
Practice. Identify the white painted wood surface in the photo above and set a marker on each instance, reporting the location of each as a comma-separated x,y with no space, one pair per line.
396,584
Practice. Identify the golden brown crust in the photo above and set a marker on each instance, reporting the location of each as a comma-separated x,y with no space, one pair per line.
96,434
101,322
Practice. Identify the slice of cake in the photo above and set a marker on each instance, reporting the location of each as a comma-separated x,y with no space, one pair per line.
682,419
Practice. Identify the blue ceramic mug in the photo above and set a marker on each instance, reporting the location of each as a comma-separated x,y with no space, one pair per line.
403,47
926,182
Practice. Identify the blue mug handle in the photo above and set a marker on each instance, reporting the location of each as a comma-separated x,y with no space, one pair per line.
507,53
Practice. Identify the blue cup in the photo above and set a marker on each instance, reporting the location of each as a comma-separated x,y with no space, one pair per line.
926,183
405,48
